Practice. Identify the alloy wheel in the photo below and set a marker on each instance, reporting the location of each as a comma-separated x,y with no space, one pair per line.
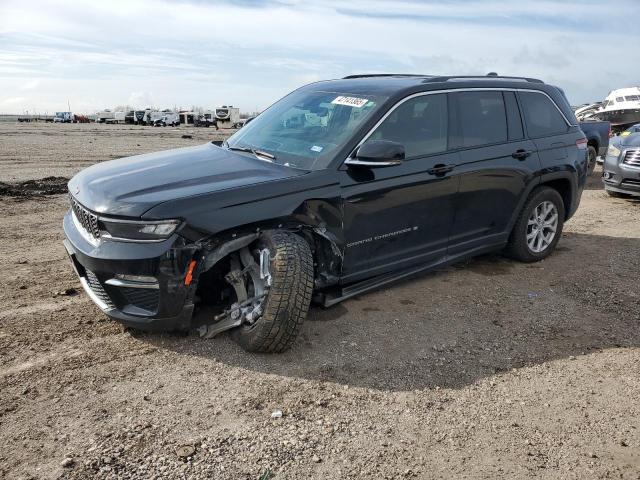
542,226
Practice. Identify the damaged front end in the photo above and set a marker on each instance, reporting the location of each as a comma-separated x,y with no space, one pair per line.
190,280
234,277
247,280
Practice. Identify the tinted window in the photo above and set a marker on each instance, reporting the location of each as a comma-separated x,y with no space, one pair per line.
482,118
420,124
541,115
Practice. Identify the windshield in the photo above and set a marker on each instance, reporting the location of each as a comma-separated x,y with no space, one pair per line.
306,129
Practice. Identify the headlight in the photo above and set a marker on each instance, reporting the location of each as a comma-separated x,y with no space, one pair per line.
139,231
612,151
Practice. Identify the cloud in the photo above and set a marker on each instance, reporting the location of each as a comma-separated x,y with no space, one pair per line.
141,99
11,101
250,53
30,85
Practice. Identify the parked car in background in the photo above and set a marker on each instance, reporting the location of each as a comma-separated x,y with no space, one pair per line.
340,187
621,169
632,129
598,134
243,121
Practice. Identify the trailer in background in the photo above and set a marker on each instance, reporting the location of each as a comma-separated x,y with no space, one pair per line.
141,117
188,117
63,117
227,116
129,117
118,117
104,116
166,118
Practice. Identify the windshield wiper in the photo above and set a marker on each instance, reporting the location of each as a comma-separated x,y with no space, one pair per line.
257,153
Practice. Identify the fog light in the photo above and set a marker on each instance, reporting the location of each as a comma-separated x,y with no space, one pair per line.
607,175
136,278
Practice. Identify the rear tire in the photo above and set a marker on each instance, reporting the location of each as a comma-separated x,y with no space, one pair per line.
287,302
592,156
531,239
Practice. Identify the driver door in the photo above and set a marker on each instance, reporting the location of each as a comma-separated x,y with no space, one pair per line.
400,216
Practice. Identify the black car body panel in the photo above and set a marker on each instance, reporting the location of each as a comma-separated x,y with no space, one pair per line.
364,224
130,186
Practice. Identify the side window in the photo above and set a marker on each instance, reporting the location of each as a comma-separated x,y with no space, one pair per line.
482,118
541,115
420,124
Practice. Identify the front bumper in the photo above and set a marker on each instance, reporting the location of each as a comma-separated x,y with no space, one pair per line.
620,177
163,306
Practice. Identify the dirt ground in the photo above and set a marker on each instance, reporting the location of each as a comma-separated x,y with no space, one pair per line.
489,369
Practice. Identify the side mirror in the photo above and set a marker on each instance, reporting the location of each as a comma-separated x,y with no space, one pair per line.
378,153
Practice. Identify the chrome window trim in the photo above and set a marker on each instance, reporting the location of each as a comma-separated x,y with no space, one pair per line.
451,90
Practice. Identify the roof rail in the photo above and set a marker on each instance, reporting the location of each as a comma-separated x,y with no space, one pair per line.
491,76
365,75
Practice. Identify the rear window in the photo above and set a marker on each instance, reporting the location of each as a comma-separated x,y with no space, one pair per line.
541,115
483,120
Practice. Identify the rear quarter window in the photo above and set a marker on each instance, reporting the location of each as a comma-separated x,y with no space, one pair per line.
541,115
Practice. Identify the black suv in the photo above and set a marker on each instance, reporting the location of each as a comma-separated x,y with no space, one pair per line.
340,187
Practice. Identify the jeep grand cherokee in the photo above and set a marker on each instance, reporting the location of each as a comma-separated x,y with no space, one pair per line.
340,187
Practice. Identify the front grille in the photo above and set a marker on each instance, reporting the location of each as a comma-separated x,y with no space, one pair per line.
88,220
97,288
142,297
630,182
632,157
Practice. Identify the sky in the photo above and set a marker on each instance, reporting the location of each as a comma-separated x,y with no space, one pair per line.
248,53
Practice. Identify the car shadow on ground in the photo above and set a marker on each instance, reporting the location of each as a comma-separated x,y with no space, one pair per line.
453,327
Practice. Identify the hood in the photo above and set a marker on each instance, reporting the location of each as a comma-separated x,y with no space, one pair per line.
130,186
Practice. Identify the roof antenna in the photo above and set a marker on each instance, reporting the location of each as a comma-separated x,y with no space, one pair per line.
492,74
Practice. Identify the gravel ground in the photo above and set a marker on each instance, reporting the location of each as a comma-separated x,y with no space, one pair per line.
488,369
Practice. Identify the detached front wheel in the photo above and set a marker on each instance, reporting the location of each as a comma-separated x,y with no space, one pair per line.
289,286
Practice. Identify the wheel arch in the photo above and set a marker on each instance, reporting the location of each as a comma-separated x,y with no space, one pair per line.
326,247
564,187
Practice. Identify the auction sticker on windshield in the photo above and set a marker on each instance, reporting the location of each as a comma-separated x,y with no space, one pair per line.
350,101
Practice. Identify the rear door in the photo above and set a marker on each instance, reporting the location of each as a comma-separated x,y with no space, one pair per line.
495,166
547,128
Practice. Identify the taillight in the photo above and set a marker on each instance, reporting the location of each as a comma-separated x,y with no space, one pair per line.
610,132
581,143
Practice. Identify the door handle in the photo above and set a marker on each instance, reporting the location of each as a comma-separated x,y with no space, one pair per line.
440,169
521,154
